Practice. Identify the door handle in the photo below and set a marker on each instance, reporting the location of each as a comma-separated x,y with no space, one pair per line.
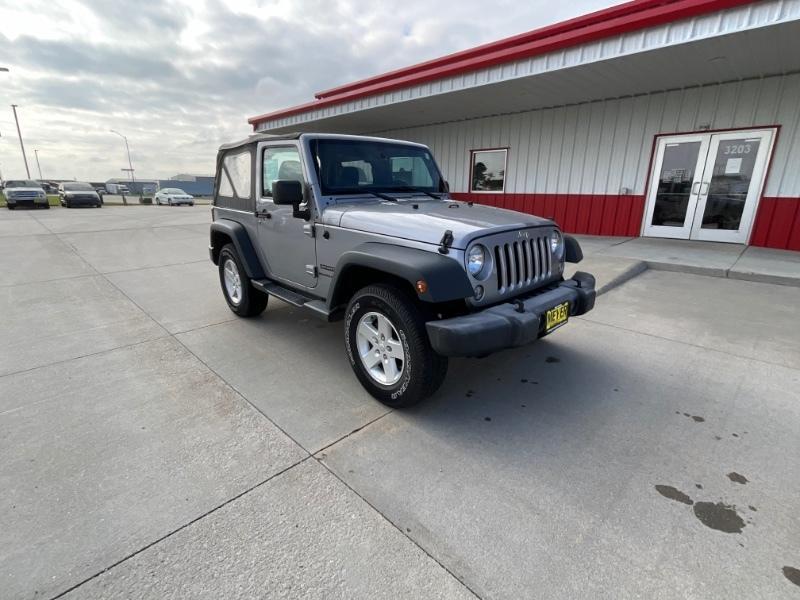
703,193
264,215
695,187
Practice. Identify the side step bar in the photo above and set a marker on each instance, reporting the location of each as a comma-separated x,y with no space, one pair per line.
292,297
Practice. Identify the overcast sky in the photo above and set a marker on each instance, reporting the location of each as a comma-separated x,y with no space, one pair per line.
181,77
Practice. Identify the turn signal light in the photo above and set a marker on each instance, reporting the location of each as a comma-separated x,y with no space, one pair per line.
422,286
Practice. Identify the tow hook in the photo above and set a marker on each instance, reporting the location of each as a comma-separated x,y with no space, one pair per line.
519,306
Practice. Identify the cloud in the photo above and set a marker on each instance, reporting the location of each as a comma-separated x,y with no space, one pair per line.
180,77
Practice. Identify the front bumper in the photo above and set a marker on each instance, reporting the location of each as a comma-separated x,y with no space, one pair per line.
510,324
29,202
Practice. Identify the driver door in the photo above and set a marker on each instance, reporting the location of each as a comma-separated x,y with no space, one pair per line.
286,242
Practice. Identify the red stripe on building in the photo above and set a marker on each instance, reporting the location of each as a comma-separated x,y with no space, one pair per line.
598,214
777,223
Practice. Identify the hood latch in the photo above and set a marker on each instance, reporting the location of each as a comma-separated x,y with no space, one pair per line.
446,242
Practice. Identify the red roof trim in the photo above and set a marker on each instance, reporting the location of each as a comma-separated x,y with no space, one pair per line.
530,36
616,20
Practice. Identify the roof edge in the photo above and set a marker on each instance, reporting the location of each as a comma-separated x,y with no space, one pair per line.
611,12
631,16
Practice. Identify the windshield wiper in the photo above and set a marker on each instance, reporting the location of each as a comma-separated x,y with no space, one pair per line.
380,195
409,188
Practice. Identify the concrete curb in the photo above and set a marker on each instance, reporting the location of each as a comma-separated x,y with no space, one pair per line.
724,273
632,271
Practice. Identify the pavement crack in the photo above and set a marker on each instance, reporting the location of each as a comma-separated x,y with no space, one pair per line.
181,528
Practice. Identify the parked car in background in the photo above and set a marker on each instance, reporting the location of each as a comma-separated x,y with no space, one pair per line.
24,192
76,193
117,188
173,197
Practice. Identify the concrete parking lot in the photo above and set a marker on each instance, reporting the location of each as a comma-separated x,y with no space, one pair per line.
154,446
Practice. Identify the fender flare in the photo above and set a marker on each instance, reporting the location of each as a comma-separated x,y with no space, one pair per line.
244,247
446,278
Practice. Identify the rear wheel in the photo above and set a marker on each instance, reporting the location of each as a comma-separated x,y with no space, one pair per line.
241,297
388,347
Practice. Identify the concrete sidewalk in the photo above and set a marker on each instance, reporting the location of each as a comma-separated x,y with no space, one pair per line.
615,260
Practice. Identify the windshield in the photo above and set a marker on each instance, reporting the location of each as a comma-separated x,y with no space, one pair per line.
173,191
353,166
78,187
23,183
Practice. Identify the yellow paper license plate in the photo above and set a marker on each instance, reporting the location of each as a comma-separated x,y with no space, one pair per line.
556,316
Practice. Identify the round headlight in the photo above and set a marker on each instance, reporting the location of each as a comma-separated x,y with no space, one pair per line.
476,258
556,242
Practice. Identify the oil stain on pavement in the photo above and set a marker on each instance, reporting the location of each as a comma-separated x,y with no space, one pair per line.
737,478
716,515
792,575
719,516
674,494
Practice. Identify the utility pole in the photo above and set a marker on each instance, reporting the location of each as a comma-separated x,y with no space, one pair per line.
21,145
128,150
38,166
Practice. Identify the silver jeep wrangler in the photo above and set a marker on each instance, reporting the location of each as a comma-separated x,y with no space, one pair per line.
363,229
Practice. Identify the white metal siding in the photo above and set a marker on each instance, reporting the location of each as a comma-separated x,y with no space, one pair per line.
702,27
602,147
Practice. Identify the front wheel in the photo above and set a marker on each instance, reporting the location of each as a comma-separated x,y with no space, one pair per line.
388,347
241,297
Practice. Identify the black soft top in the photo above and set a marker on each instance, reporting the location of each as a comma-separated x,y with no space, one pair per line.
260,137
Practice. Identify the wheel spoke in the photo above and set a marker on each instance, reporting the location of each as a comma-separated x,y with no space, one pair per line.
367,331
371,359
385,327
395,351
390,368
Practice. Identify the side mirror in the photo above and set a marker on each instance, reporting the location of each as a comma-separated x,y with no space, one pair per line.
287,192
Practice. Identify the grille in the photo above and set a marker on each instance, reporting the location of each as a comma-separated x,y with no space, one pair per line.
522,263
24,194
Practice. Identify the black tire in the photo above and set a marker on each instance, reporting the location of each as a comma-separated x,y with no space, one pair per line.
10,207
46,206
423,370
252,302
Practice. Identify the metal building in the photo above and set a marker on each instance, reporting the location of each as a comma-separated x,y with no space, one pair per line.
668,118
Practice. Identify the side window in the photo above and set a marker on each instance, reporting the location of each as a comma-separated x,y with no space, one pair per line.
279,163
488,171
225,188
238,168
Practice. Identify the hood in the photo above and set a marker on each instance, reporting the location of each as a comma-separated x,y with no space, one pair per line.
23,189
428,222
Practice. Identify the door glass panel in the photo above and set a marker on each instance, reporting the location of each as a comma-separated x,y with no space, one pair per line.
675,184
730,183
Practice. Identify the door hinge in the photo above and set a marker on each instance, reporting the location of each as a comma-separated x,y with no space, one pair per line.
308,229
311,270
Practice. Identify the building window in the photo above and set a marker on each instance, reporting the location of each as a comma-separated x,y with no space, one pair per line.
488,170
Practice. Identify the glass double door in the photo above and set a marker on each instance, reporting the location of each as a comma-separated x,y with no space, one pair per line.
706,186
